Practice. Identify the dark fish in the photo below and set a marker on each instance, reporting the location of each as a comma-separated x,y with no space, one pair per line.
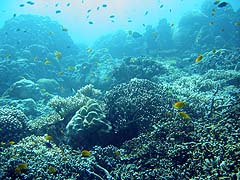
30,2
90,22
136,35
104,5
145,13
58,11
129,20
21,5
161,6
89,11
56,5
144,25
112,16
98,8
222,4
68,4
14,15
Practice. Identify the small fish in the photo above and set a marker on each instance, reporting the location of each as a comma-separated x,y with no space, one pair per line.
170,10
21,5
52,169
98,8
184,115
48,137
47,62
179,104
8,56
89,50
35,59
30,2
237,24
85,153
172,24
214,51
58,11
143,25
161,6
11,142
14,15
199,58
22,166
129,20
222,4
68,4
211,23
88,11
222,30
104,5
130,32
56,5
90,22
60,73
58,55
50,32
217,2
146,13
112,16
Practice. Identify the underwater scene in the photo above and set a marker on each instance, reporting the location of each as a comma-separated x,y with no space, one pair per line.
120,90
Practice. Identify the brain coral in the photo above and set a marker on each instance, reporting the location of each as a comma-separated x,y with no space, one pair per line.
12,122
88,125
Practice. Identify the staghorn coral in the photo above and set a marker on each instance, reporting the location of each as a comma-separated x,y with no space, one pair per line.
12,123
136,106
66,107
88,125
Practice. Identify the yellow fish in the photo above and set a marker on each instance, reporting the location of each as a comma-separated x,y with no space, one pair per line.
179,104
58,54
48,137
11,142
199,58
22,166
184,115
86,153
47,62
52,169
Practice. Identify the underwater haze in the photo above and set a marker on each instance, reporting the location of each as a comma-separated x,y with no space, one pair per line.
119,90
75,16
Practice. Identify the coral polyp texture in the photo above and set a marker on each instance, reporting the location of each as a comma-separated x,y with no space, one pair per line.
12,123
135,106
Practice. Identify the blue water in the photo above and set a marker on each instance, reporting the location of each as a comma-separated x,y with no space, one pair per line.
119,89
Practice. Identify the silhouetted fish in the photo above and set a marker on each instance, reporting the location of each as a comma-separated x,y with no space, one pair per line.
30,2
222,4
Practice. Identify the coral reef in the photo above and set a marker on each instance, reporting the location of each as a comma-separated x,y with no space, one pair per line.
48,163
134,107
138,67
23,89
88,125
12,123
